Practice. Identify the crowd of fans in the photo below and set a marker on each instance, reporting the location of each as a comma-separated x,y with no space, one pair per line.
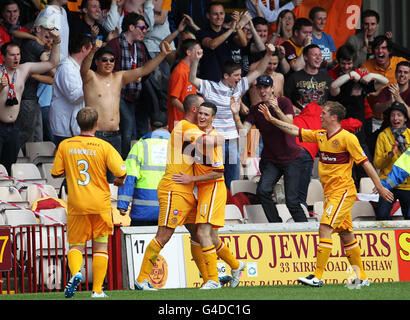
306,68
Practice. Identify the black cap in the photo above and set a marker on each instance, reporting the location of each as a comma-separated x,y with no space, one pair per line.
399,107
264,80
103,50
159,120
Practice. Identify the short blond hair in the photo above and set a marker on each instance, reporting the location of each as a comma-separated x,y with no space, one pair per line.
336,109
86,118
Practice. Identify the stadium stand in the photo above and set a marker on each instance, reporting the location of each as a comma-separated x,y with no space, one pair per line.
315,192
233,215
363,211
366,185
254,213
247,186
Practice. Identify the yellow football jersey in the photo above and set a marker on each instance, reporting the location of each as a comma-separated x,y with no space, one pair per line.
206,162
180,154
84,160
336,156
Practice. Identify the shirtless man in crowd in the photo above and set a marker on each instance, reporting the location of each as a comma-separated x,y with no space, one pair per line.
13,76
102,88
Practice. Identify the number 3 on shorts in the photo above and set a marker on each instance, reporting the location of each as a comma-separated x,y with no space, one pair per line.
83,172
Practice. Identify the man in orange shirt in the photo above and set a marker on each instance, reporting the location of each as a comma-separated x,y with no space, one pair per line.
84,160
338,149
383,63
178,86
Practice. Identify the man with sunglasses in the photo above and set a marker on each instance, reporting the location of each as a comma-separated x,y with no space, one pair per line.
131,53
102,88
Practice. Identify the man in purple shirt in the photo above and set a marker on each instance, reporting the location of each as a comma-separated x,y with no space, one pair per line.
281,155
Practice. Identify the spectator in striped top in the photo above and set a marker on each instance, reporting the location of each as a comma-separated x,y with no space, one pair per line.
220,93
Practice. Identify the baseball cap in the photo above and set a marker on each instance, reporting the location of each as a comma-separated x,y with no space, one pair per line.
264,80
45,23
104,50
159,119
399,107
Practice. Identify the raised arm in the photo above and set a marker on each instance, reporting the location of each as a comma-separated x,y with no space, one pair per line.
192,78
261,67
335,86
86,65
134,74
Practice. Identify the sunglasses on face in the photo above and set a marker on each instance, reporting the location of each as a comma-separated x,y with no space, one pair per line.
142,28
104,59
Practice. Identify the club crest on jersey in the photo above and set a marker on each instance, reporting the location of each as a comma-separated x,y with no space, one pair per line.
335,143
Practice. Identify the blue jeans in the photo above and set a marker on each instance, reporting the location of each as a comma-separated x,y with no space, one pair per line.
231,161
113,138
133,124
270,175
306,166
384,207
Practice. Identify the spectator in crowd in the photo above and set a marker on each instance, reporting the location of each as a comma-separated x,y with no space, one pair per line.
384,64
68,95
130,53
88,23
87,183
155,35
350,88
102,89
269,9
391,143
111,19
196,9
232,84
318,16
339,188
10,13
395,92
280,156
179,87
145,168
219,43
255,47
29,119
301,38
398,175
363,40
309,84
13,79
57,15
308,118
284,27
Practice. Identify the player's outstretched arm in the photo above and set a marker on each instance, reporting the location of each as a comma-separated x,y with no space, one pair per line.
282,125
385,193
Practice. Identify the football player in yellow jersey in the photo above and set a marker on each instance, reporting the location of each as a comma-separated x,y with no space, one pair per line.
176,201
212,197
338,150
84,160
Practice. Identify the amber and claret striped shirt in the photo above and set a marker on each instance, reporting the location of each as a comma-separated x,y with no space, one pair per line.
336,156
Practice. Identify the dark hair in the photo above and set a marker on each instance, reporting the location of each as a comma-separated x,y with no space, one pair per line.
259,20
309,47
379,40
370,13
301,22
403,64
281,15
187,44
7,3
229,67
78,41
189,101
346,52
315,10
214,3
131,19
6,45
103,50
210,105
